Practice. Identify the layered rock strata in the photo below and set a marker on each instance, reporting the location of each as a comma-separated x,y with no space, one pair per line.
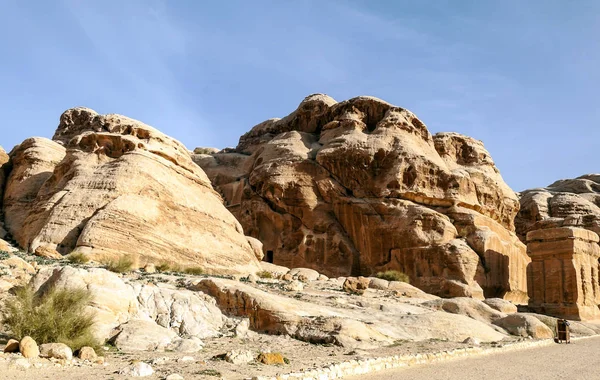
565,203
109,186
563,275
361,186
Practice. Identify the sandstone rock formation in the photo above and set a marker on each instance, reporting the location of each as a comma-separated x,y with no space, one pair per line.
115,302
563,275
567,202
360,186
109,186
3,169
363,325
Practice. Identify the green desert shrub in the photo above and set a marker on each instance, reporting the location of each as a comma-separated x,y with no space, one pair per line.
78,258
264,274
393,275
163,267
57,315
194,270
123,265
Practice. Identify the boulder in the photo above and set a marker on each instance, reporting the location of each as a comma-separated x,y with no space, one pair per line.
294,286
524,325
270,358
356,285
361,186
109,186
238,357
186,345
501,305
304,274
87,353
137,369
11,346
143,335
29,348
378,283
469,307
56,351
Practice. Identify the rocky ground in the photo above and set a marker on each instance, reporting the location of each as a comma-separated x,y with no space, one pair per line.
187,324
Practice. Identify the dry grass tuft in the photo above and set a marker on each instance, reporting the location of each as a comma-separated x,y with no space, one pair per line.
123,265
78,258
58,315
393,275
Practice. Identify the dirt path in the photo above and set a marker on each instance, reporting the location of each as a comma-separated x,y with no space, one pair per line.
578,360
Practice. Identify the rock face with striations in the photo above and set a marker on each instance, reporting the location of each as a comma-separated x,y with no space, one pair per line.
4,162
565,203
109,186
361,186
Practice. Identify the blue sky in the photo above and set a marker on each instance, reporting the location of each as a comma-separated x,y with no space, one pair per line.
522,76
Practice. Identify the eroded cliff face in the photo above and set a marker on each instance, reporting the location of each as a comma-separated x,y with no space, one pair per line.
4,163
109,186
362,186
565,203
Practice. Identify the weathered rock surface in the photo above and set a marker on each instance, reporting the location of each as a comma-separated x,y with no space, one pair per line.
361,186
525,325
109,186
143,335
182,312
563,274
565,203
469,307
56,351
4,163
501,305
364,327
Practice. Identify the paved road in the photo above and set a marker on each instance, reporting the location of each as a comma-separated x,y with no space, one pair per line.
579,360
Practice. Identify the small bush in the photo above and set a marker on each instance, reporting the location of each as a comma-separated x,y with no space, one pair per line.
393,275
163,267
54,316
78,258
264,274
123,265
194,270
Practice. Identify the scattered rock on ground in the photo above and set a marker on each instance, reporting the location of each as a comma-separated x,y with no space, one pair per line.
137,369
12,346
304,274
239,356
87,353
270,358
56,351
29,348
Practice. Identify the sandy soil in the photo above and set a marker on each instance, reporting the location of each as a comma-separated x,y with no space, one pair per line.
301,355
575,361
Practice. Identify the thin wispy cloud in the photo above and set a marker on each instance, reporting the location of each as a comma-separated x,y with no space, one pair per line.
520,76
